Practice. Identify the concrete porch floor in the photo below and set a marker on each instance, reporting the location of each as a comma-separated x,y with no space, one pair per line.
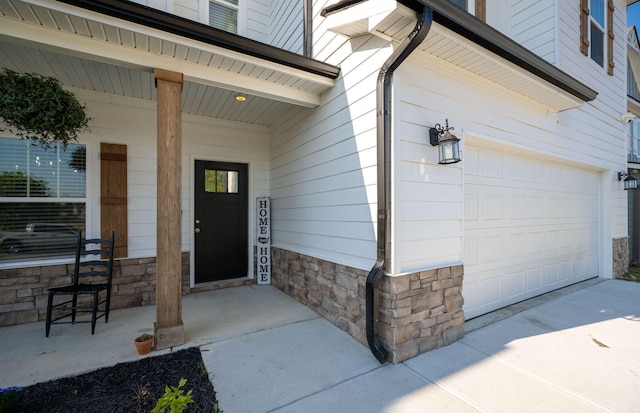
577,350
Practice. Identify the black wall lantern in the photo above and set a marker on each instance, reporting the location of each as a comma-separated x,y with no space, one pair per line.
629,181
447,143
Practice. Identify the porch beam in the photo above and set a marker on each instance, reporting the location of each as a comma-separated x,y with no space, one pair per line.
169,330
100,51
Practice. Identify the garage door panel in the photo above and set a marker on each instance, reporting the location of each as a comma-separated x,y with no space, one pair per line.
530,227
552,275
569,266
520,207
488,291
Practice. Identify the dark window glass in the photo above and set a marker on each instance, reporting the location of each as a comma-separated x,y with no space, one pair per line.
222,182
597,44
596,8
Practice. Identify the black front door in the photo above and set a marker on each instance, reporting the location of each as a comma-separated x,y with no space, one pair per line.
221,221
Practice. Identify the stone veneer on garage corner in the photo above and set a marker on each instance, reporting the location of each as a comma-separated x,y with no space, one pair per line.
421,311
620,256
417,312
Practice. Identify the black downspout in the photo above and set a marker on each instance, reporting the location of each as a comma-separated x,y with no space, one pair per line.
383,127
307,40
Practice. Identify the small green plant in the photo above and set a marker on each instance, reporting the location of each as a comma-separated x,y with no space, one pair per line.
202,368
144,337
633,274
216,408
7,397
174,399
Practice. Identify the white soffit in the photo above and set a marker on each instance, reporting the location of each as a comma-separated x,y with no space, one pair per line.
62,28
385,18
457,50
392,21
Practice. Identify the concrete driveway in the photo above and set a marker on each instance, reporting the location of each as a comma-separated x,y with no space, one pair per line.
576,350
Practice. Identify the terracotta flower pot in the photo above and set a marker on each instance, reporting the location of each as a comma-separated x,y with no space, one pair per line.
144,347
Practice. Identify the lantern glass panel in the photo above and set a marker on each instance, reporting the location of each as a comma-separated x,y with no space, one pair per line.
449,151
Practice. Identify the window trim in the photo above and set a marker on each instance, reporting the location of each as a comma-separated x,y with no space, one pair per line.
223,3
608,33
481,10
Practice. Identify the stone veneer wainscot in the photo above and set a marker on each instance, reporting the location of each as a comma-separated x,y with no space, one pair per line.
418,312
23,291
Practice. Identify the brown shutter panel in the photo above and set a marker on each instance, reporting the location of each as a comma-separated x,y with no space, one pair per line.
113,195
584,27
610,37
481,10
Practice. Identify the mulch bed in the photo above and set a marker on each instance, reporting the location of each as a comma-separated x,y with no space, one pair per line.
126,387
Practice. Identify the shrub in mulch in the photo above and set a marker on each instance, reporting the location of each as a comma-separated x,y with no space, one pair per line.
125,387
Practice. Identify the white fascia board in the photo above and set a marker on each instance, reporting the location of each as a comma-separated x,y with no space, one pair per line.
110,53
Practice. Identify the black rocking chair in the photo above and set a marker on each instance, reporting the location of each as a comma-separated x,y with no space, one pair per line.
91,276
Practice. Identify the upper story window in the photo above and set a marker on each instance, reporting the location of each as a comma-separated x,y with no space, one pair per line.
223,15
596,31
42,199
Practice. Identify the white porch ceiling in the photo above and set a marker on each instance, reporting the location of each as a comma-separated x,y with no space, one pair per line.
197,98
88,50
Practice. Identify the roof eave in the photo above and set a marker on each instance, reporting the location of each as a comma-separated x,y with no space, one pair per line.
477,31
180,26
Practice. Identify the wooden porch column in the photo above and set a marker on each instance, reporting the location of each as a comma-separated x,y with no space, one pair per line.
169,330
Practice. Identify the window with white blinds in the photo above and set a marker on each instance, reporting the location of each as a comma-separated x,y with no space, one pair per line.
42,199
223,15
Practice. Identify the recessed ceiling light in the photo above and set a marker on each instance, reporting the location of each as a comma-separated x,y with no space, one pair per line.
241,97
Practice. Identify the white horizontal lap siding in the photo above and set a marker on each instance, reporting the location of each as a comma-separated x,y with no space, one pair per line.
323,167
429,199
133,122
257,20
533,25
599,121
189,9
287,29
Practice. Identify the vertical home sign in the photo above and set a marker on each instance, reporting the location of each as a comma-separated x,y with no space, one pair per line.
263,212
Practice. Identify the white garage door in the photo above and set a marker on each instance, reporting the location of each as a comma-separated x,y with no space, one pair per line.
531,226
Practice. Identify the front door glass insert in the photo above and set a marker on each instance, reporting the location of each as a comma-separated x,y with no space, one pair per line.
225,182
